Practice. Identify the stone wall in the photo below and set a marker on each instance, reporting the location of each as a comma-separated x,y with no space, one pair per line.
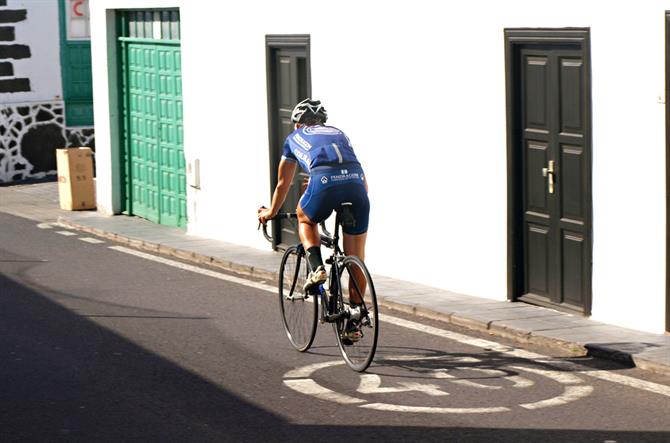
30,133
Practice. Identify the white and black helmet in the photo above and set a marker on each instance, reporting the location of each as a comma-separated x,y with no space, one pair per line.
308,108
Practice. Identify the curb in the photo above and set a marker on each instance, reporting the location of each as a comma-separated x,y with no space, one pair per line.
575,349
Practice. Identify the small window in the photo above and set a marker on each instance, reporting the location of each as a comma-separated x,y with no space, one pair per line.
77,20
151,24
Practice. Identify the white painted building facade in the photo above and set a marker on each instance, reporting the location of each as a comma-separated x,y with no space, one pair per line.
421,91
45,85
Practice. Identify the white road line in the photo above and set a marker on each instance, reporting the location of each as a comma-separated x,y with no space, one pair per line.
565,378
570,394
442,373
91,240
66,233
310,387
372,384
415,357
517,380
306,371
455,336
628,381
431,409
520,382
45,226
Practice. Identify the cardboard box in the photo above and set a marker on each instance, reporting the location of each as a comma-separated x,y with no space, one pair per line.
76,188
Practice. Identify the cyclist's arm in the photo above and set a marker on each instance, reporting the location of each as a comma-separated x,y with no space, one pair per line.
285,175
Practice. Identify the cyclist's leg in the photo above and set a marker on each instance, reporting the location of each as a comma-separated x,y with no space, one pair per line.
355,245
355,237
311,210
307,230
309,237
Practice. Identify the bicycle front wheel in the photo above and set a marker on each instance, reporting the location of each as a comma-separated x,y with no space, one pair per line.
298,310
356,289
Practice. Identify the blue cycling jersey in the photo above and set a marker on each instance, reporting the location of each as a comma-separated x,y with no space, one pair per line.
313,146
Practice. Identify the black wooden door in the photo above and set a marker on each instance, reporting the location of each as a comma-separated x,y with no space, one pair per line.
556,171
289,84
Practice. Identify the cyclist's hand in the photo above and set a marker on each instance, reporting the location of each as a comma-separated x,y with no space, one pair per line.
264,214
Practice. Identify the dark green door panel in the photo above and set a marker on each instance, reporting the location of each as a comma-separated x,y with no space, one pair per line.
77,77
78,84
554,161
289,82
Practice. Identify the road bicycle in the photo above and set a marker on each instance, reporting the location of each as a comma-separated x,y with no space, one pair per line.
332,301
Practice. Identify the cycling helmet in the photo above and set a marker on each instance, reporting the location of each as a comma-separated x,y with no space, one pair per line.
308,108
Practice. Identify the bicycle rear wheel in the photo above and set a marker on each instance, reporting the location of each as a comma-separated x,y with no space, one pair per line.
356,285
298,310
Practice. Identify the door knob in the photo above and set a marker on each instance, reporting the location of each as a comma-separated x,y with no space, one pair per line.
549,173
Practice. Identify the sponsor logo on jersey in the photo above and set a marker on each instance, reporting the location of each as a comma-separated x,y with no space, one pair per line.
342,177
321,130
324,179
300,156
302,142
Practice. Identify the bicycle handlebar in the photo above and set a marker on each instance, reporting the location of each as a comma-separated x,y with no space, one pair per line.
281,215
265,231
326,237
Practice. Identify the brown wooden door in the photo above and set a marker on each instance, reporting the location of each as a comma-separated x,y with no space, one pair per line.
289,83
555,202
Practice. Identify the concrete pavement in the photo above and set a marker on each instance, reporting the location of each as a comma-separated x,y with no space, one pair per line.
519,321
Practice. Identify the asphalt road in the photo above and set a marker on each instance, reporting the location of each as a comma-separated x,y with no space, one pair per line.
98,344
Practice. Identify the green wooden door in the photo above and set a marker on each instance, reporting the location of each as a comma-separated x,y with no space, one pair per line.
76,72
153,130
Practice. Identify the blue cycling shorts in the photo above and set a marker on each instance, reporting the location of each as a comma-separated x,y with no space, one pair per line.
329,187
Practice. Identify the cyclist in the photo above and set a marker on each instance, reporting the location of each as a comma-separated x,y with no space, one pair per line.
336,176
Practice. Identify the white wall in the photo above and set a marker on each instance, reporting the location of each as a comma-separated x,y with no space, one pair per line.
629,166
437,177
40,31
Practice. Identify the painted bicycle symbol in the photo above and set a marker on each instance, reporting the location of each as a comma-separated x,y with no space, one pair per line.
446,385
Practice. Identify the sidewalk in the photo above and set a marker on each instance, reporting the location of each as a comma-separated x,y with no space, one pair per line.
518,321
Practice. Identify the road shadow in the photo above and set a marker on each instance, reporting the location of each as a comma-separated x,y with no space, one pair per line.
30,181
65,378
424,360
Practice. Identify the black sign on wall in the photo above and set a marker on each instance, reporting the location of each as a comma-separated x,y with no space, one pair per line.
11,51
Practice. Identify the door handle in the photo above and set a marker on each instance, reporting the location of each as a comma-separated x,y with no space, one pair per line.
549,173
